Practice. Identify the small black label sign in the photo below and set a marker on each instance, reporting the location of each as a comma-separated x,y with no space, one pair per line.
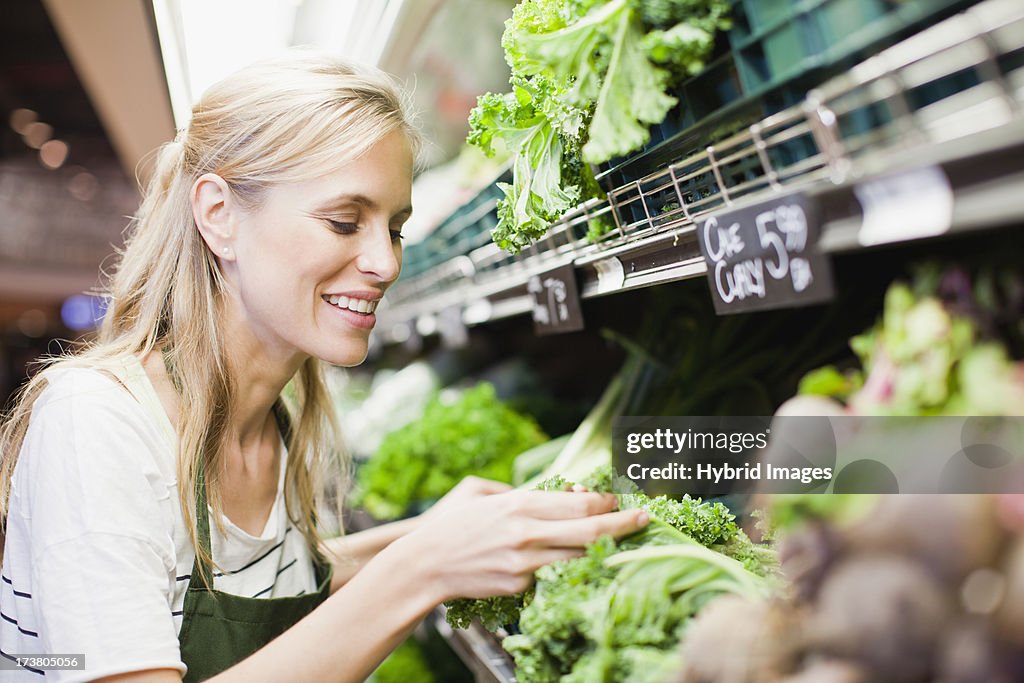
765,256
556,301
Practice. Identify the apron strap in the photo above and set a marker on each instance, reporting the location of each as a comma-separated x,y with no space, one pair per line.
202,513
284,426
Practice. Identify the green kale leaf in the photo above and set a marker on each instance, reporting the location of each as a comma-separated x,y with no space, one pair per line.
476,434
588,78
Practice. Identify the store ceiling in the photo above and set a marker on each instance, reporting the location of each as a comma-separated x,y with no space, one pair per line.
59,60
35,72
92,72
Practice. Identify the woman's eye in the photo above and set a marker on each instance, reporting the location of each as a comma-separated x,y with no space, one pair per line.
343,227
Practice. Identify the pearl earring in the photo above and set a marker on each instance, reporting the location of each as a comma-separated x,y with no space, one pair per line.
225,251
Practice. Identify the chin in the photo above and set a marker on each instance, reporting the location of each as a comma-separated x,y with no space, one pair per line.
347,358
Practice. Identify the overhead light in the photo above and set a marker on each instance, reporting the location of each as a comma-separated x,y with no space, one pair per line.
82,312
83,186
53,153
202,41
33,323
36,133
172,48
21,118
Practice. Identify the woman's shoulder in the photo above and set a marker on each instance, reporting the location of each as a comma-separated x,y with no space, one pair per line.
85,424
110,394
84,384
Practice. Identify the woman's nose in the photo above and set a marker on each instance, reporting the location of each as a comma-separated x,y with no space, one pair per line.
380,256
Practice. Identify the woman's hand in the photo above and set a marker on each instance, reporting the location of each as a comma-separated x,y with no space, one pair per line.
466,490
489,545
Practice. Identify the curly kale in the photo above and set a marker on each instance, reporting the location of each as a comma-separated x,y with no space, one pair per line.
533,125
477,434
555,483
708,15
588,78
555,624
686,521
493,613
618,612
605,480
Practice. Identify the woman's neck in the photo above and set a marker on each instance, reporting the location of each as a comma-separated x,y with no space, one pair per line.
259,369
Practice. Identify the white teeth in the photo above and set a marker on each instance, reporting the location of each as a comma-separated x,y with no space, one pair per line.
351,303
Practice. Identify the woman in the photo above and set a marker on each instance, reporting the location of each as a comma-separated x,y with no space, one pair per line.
160,499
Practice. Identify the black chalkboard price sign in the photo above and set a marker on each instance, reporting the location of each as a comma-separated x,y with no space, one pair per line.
765,256
556,301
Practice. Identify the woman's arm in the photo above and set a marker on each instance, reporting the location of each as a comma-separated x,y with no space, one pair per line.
348,554
344,639
488,546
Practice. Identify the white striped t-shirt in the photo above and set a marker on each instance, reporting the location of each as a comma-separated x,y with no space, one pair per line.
97,558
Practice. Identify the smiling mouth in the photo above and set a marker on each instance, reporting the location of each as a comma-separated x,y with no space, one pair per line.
361,306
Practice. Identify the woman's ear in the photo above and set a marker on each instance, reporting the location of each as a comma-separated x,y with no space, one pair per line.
212,208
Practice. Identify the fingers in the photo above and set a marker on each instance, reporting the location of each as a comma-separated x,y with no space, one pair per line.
544,556
576,533
529,561
486,486
561,504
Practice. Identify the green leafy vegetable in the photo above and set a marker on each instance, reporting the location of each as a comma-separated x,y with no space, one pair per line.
407,664
493,613
922,358
588,78
529,464
590,446
523,119
476,434
618,612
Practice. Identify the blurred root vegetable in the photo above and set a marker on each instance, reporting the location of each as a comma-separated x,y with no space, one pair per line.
950,535
810,405
738,640
829,671
806,557
969,655
1010,616
885,613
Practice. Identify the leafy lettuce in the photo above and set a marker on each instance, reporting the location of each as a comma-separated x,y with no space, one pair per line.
588,77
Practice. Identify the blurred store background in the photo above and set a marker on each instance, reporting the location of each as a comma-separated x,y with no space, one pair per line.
89,89
863,162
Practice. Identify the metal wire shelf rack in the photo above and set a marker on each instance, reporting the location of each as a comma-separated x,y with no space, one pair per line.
959,78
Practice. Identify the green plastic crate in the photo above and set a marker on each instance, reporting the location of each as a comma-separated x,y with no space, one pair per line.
774,40
467,228
776,51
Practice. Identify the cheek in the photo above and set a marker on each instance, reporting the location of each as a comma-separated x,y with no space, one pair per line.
279,278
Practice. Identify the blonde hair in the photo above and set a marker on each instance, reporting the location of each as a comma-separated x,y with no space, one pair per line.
278,121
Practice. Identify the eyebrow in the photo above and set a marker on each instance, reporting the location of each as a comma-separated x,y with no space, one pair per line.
363,200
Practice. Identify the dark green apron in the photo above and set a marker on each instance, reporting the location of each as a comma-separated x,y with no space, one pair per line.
218,629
